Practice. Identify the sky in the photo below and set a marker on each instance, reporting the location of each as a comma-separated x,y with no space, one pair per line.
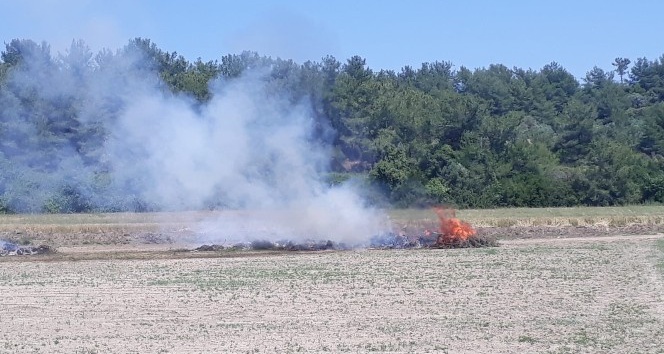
389,34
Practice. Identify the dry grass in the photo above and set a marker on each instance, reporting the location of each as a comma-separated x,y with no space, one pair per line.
102,222
115,228
646,215
520,217
546,296
124,228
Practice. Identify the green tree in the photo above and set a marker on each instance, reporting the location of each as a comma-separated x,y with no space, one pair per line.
621,65
652,139
354,93
597,78
577,133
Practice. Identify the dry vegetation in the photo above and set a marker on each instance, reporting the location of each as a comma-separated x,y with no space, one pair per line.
131,228
578,294
555,217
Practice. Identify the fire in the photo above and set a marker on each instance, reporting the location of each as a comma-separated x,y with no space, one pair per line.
452,230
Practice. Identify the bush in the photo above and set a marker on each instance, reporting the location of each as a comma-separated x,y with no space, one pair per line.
68,199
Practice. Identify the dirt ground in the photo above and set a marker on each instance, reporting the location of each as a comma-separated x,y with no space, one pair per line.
563,292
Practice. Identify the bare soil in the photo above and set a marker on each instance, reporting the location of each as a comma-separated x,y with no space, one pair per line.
545,290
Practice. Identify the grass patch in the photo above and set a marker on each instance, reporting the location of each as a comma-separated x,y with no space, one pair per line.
660,246
489,251
526,339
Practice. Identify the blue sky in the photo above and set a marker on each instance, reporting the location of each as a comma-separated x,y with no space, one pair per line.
389,34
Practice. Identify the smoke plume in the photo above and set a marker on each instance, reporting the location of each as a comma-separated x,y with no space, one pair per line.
248,151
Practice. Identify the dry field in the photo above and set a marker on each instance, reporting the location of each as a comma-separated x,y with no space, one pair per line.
568,292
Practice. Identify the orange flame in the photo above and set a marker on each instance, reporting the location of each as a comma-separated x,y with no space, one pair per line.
452,229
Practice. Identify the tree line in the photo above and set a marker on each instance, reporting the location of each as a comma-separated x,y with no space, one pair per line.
487,137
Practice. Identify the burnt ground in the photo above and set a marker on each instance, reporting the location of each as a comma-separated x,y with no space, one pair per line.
182,243
186,237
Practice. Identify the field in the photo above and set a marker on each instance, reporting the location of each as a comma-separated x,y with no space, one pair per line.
579,280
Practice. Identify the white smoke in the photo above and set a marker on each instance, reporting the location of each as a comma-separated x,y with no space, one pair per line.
248,150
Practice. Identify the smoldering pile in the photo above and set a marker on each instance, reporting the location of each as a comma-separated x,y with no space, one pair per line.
451,233
428,239
383,241
265,245
11,249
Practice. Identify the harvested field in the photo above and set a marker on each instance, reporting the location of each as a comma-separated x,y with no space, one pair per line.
551,295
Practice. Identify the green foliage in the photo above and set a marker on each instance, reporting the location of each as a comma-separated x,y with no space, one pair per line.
621,65
67,199
437,190
652,138
494,136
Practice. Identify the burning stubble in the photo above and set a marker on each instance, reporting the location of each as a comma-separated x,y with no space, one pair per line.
456,233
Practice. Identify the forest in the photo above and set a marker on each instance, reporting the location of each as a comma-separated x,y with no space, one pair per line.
440,133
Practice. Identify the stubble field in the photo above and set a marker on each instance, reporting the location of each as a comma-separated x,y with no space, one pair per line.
568,292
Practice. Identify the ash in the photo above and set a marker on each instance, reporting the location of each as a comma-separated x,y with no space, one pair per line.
11,249
265,245
382,241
